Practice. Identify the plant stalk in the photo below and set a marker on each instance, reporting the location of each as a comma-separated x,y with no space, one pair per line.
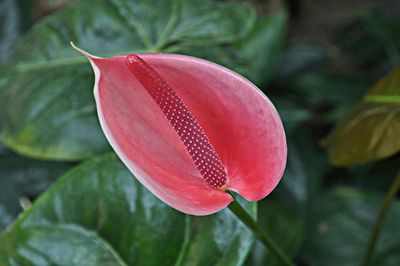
260,233
390,196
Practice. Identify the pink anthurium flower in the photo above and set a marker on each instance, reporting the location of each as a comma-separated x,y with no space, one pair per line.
189,129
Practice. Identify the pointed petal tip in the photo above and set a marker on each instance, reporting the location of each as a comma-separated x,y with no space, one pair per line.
89,56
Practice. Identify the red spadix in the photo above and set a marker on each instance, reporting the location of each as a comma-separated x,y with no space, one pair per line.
189,129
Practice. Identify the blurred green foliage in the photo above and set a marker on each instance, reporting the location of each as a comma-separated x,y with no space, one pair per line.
116,220
97,214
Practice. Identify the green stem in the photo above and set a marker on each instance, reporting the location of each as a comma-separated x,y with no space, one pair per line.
390,196
259,233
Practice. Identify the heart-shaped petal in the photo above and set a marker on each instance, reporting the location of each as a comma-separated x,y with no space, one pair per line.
241,124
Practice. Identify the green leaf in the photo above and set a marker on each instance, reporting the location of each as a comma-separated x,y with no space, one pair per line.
47,109
57,245
262,46
278,220
371,129
387,90
343,222
101,197
254,56
21,177
204,22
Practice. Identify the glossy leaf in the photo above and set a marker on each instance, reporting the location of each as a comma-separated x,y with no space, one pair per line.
260,49
112,216
254,55
21,177
371,129
46,105
57,245
343,222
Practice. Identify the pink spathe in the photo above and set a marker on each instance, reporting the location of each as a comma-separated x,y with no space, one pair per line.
235,122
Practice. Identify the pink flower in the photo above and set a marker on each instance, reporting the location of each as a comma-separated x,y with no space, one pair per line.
189,129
